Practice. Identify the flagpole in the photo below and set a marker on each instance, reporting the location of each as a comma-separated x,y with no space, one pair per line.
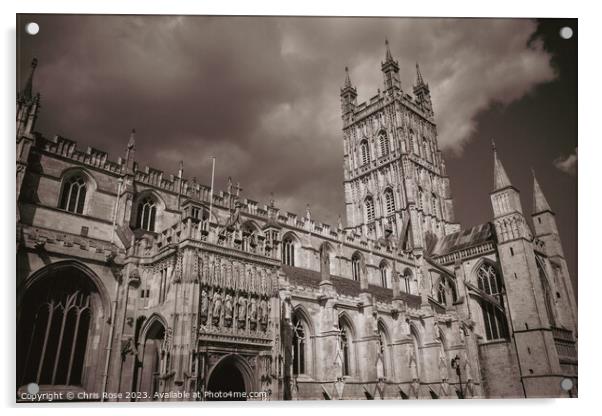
211,192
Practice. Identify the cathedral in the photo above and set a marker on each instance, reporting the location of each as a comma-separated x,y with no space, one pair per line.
138,285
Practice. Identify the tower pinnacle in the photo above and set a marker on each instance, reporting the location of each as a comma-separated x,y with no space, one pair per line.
27,93
347,79
540,203
132,141
500,178
388,56
419,79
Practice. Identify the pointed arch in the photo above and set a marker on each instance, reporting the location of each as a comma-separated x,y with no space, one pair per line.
357,266
415,362
154,360
303,342
364,152
147,211
389,201
384,341
369,209
406,281
491,299
327,257
547,291
290,249
384,269
251,234
241,365
383,141
77,189
346,344
60,308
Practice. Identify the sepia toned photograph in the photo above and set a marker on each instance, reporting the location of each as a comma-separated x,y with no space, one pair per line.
273,208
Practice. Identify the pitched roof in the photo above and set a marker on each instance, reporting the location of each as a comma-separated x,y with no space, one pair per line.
463,239
345,286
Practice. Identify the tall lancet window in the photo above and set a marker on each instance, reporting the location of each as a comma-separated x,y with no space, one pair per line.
345,347
73,196
299,346
365,152
427,149
288,251
415,148
356,266
389,201
384,274
547,293
494,318
384,144
369,209
147,214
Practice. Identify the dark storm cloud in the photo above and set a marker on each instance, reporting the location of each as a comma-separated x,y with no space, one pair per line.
261,94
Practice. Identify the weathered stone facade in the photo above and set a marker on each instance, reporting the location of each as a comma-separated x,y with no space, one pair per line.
147,286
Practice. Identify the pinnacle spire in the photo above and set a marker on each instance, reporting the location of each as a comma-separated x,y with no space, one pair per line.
419,79
27,92
500,178
132,141
347,79
388,56
540,203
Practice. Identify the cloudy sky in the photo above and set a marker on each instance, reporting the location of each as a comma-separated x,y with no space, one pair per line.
262,95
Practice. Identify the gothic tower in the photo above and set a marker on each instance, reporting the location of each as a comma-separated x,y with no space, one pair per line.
529,317
546,230
396,183
28,105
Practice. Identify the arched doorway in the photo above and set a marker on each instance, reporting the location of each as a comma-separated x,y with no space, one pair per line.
154,360
229,380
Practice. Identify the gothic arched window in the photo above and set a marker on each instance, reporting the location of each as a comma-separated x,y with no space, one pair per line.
389,201
494,318
413,145
427,149
54,330
300,345
384,274
435,205
488,280
326,255
369,209
384,144
365,152
383,349
147,214
547,293
288,251
407,278
345,347
356,266
73,196
441,296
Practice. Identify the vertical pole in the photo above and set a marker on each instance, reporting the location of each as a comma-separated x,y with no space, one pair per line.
211,192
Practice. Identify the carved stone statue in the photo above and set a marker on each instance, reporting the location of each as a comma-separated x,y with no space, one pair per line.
204,306
242,311
228,309
264,313
253,310
217,307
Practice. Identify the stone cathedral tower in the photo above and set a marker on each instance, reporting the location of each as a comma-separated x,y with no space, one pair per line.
396,185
